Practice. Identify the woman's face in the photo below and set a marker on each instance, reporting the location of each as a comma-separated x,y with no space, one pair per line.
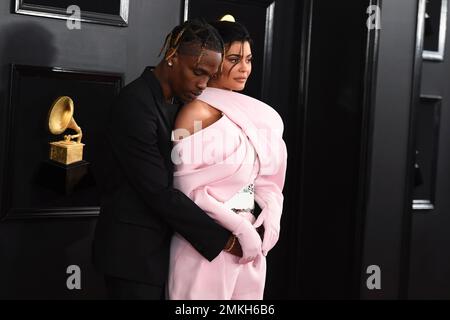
237,66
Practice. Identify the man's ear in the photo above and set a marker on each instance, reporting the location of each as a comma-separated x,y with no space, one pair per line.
174,59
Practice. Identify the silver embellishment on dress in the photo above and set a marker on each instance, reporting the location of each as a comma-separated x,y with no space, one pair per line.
243,201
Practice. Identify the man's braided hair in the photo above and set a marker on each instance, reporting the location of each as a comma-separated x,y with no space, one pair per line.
193,32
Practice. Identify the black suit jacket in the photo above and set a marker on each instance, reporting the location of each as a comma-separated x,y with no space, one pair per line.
139,208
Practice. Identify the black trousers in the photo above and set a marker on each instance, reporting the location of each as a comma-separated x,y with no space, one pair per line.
122,289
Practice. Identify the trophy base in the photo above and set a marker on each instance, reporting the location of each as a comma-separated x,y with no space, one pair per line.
63,178
66,152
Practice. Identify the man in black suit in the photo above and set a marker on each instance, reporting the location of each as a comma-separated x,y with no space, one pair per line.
139,208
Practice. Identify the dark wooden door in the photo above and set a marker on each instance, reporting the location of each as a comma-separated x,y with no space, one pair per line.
339,51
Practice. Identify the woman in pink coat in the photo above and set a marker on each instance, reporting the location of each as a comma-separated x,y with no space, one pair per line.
228,153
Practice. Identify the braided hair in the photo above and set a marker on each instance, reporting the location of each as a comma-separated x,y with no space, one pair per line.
193,32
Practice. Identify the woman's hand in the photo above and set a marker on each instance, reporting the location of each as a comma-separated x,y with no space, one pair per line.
249,240
271,222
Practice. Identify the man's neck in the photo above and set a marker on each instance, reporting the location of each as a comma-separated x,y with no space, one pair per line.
161,74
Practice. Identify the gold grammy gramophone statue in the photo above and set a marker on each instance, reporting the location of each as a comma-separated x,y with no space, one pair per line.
60,119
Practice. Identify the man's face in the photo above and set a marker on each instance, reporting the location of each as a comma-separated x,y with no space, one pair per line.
190,76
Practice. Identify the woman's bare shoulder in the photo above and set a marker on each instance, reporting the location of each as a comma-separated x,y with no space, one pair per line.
196,115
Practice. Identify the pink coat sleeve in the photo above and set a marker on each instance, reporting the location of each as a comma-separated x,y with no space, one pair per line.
269,196
216,210
268,189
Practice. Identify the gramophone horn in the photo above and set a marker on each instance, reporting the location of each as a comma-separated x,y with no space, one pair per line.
61,118
61,114
73,125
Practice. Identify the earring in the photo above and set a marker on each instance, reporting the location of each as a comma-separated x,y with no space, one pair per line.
169,63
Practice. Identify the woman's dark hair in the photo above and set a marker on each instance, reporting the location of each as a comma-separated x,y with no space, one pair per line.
192,32
231,32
